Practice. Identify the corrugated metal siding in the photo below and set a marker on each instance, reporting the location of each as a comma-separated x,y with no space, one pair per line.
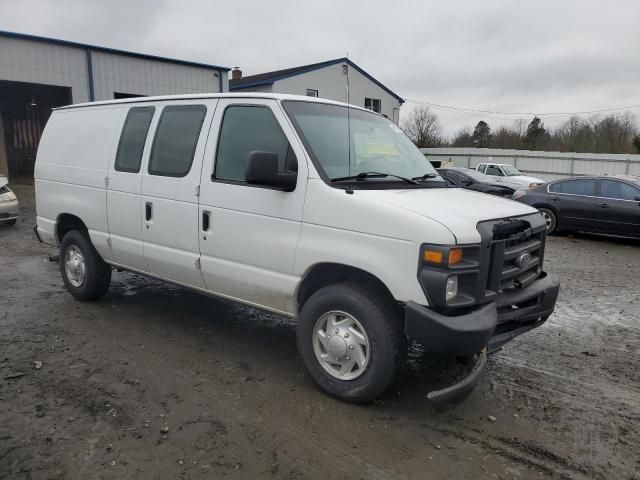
38,62
118,73
23,60
545,165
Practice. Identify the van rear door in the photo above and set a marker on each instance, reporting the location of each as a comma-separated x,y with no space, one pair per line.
170,188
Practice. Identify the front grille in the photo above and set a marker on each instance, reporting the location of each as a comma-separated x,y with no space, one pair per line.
516,257
518,268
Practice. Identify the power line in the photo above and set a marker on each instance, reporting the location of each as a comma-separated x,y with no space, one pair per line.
539,114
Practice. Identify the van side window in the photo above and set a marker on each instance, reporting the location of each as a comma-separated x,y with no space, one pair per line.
133,138
246,129
176,139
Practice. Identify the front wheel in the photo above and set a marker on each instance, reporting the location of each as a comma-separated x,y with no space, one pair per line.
85,274
351,341
550,219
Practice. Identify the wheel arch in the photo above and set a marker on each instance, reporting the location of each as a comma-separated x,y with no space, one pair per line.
328,273
546,205
67,222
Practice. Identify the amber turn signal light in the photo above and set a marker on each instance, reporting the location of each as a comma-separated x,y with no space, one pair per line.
455,256
432,256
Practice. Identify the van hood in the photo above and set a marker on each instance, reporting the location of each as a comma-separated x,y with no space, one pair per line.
457,209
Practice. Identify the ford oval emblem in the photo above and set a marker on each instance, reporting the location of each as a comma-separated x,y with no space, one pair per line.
523,260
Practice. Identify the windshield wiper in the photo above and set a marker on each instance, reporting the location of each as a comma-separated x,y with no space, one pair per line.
365,175
425,176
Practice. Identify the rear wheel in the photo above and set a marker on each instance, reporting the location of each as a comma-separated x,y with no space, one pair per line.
85,274
351,341
550,219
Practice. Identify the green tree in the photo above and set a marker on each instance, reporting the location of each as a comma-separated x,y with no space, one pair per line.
535,135
482,134
636,142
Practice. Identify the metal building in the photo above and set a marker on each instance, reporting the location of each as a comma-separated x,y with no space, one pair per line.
38,74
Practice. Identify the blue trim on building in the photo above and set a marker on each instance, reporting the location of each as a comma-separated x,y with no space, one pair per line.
67,43
92,95
275,78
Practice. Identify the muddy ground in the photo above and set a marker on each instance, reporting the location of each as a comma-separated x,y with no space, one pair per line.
226,382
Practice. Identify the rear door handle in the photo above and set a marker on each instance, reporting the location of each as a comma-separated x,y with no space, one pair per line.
604,205
148,211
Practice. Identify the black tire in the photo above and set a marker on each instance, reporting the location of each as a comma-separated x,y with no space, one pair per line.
380,318
97,273
551,219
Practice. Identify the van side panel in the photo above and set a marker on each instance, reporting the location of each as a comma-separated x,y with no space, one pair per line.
71,167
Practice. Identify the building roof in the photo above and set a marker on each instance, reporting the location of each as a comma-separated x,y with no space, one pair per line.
268,78
96,48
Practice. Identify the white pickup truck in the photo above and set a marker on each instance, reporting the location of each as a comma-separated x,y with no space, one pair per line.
313,209
509,175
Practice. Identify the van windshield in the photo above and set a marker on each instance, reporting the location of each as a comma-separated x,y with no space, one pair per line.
347,142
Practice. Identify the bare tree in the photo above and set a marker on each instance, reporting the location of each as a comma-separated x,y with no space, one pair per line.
463,138
519,127
613,133
423,127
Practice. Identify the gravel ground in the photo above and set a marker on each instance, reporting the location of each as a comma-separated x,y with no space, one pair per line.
157,382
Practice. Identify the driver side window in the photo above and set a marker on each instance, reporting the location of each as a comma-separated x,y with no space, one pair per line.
493,170
248,128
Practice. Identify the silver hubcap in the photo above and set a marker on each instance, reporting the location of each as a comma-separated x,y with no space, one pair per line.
547,219
74,266
341,345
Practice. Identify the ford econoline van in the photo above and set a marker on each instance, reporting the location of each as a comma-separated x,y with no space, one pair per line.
313,209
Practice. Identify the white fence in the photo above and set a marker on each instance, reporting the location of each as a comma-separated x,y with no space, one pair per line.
545,165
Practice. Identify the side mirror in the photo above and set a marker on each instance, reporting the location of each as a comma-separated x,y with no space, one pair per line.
262,169
637,198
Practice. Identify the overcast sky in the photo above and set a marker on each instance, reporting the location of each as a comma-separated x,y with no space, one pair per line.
507,56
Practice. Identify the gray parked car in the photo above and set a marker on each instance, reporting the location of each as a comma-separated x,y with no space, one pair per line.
8,204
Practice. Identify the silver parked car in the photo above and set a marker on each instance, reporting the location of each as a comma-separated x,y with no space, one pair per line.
8,204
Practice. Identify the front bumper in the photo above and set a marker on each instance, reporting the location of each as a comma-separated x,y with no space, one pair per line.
9,210
485,329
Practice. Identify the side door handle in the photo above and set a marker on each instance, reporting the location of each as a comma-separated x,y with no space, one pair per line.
206,221
555,199
148,211
604,205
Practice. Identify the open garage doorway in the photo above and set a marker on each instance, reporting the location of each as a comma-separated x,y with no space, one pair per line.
24,111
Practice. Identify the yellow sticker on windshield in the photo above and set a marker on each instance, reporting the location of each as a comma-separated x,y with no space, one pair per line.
381,149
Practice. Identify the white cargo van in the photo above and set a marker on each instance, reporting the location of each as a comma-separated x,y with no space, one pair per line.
305,207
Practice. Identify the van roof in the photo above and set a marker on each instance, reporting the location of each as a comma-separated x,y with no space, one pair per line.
197,96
